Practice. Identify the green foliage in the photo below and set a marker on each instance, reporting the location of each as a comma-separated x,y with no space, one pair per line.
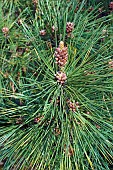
38,129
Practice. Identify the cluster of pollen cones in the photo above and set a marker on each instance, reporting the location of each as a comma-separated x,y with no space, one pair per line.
61,55
73,105
60,77
38,119
69,27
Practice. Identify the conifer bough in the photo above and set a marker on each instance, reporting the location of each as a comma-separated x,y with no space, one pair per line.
56,104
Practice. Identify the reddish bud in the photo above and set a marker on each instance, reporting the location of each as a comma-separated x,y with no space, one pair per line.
5,30
43,32
69,27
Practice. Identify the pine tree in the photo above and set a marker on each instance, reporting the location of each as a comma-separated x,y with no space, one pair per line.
56,86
